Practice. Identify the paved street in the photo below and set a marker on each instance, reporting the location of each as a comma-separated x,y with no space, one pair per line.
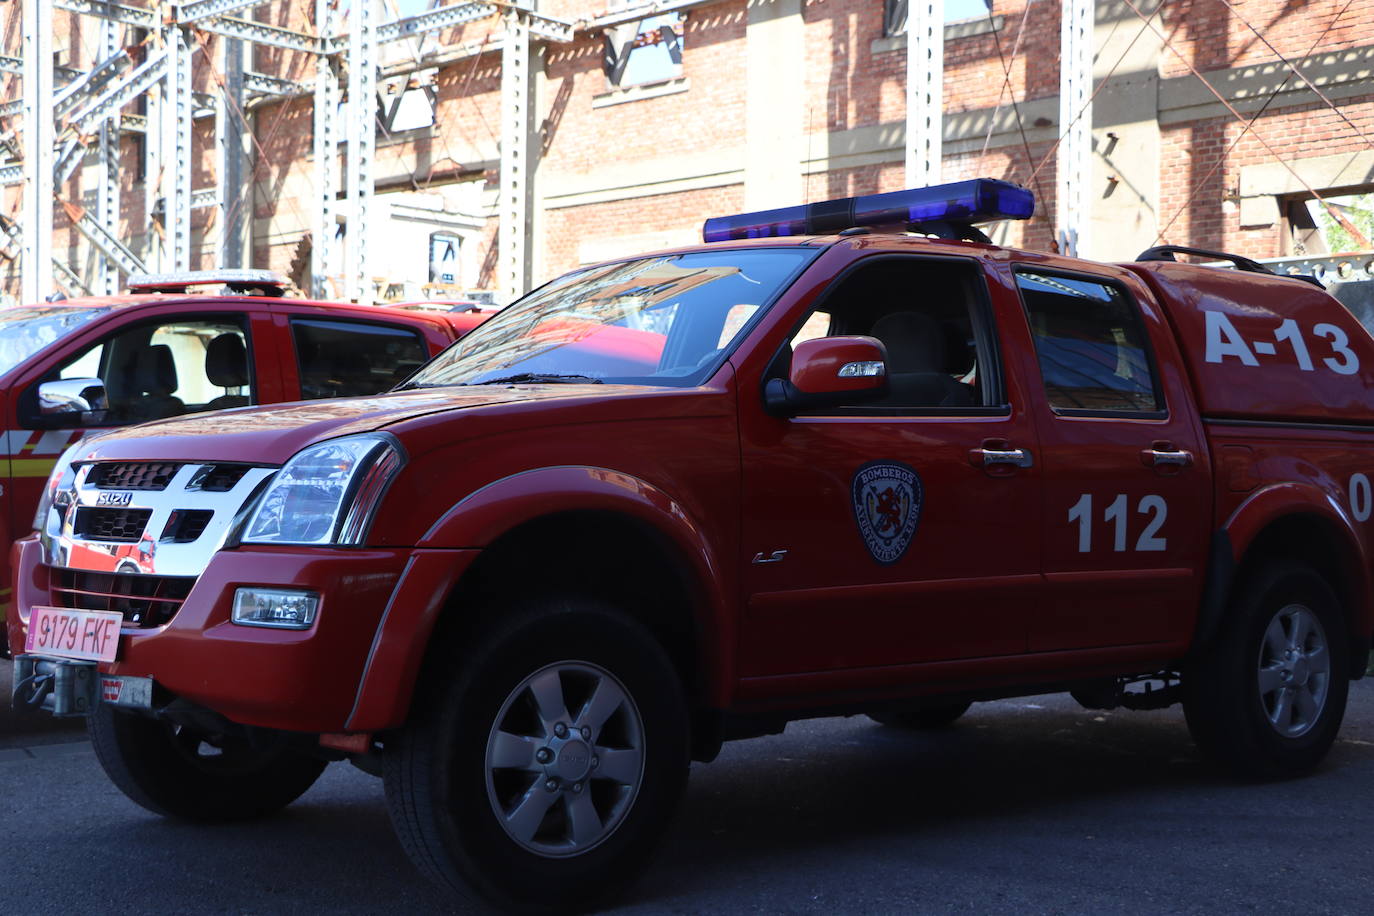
1031,806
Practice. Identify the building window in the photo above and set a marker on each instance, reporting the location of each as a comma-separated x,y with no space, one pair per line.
895,12
407,102
645,51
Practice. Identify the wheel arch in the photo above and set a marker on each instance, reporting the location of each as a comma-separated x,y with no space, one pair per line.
607,534
1292,521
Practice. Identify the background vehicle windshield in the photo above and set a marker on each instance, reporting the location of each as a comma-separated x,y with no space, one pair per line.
651,321
25,331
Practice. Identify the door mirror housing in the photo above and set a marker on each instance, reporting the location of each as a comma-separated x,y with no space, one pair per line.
829,372
71,402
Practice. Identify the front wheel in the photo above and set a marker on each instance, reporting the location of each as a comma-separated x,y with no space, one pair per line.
179,772
1267,700
543,762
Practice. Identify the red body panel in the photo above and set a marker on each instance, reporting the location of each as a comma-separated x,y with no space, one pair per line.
999,583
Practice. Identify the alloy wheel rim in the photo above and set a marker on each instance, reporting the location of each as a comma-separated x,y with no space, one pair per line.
1294,675
565,759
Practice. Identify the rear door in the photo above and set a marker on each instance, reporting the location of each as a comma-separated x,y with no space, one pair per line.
1127,481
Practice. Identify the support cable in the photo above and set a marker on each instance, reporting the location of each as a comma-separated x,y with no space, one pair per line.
1016,109
1334,212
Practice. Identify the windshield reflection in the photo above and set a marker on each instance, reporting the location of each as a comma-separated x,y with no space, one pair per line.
663,320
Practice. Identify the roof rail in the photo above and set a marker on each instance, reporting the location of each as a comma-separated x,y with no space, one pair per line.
1167,252
241,281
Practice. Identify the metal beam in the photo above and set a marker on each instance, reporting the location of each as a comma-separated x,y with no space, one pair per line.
188,13
206,197
11,174
107,172
323,251
129,15
120,94
38,150
232,179
68,279
513,210
441,18
91,81
640,11
176,143
273,85
112,247
10,109
13,65
1072,205
263,34
925,92
362,108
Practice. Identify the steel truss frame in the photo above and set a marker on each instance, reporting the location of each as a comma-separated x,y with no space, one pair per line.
73,118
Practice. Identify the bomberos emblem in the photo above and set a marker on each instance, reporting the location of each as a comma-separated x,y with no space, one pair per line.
887,505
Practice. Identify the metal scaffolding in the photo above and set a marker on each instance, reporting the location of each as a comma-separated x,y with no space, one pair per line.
75,117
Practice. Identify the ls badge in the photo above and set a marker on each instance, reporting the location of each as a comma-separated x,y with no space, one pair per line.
887,506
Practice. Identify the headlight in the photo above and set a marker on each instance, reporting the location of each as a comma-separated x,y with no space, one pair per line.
58,491
327,493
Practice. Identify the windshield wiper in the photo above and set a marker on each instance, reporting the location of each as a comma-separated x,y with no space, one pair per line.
538,378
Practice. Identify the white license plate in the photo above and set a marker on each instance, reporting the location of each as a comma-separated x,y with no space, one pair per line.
121,690
69,633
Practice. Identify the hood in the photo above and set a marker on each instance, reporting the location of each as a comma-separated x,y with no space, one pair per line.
271,435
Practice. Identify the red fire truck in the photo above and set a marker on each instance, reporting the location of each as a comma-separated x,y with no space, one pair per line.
849,457
71,367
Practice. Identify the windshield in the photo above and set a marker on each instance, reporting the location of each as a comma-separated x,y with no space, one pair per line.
663,320
25,331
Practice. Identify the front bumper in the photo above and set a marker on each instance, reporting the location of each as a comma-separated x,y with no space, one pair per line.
353,670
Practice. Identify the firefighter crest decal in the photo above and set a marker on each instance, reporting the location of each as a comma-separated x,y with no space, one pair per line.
887,506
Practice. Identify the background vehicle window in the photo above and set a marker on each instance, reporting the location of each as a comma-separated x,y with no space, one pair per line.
1090,343
152,371
926,314
352,358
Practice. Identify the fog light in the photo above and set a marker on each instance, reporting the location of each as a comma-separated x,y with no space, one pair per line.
275,607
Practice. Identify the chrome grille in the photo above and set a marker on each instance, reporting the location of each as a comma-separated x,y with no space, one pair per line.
145,601
108,523
133,475
218,478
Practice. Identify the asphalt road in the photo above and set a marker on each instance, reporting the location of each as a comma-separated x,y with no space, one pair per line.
1026,806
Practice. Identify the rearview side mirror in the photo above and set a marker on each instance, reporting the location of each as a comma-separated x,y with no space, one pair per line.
71,402
829,372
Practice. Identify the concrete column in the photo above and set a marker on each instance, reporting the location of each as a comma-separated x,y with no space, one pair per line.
775,105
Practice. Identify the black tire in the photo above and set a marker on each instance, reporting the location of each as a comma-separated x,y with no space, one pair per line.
1233,708
443,796
929,716
176,772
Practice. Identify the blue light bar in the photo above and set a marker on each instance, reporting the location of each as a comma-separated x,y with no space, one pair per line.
978,200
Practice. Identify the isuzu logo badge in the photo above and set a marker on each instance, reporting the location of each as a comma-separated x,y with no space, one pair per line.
114,498
887,505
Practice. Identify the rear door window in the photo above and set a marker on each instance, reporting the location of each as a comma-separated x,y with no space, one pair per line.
1091,344
352,358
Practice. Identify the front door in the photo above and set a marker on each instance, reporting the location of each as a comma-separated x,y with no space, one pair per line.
1127,479
900,531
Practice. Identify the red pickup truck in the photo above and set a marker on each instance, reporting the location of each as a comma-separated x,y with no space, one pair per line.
820,465
72,367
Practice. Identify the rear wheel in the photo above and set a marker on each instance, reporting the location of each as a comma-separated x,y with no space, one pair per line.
1267,700
544,769
940,715
179,772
